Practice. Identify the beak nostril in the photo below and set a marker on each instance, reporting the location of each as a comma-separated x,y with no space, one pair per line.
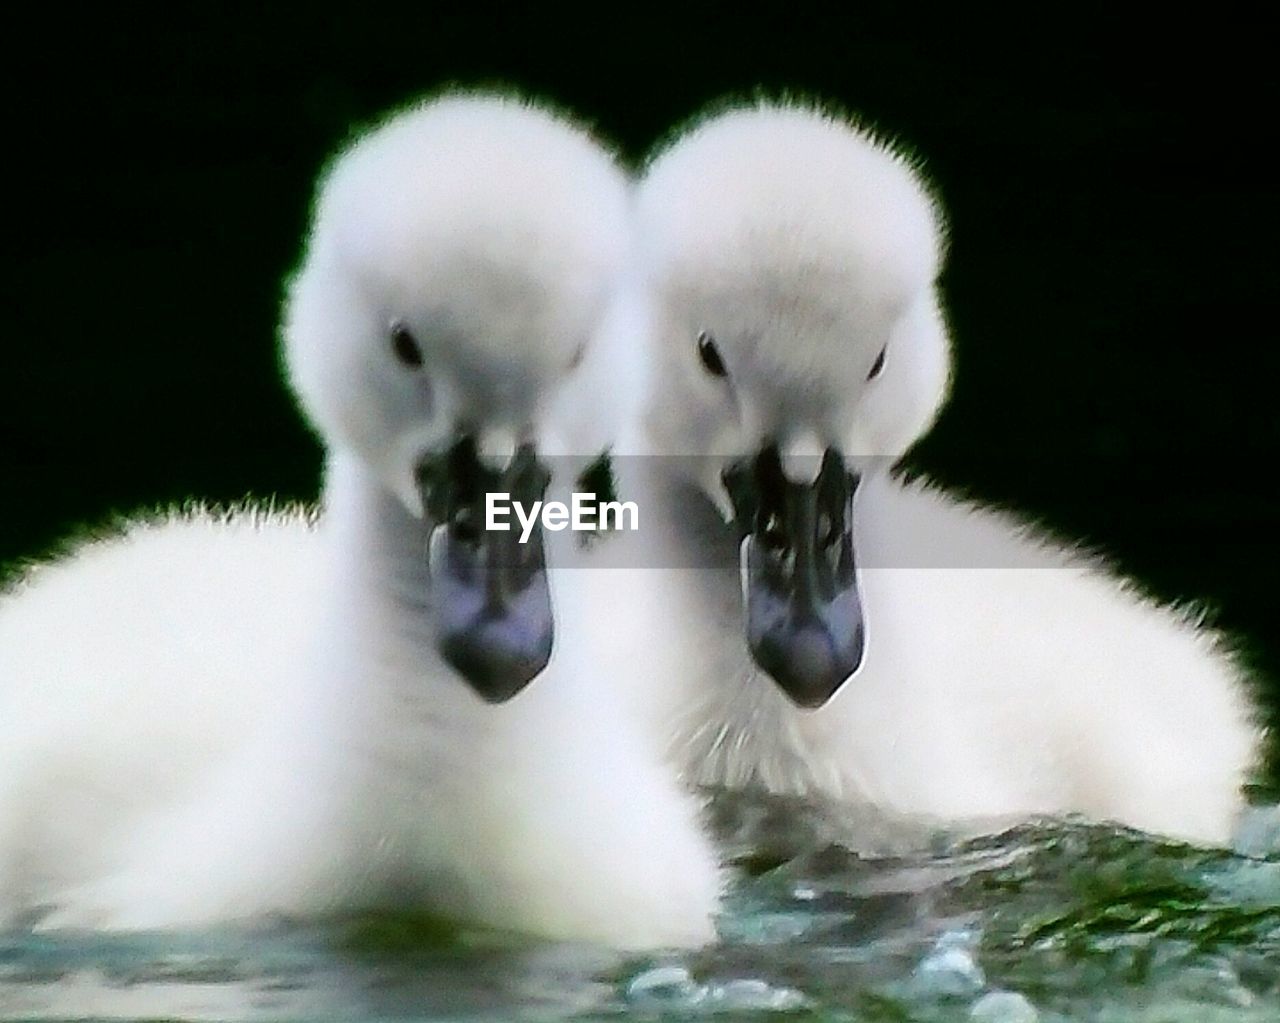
773,532
827,533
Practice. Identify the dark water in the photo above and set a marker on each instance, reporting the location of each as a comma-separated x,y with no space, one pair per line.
1052,921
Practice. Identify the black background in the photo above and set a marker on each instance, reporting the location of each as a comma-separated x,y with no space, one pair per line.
1111,279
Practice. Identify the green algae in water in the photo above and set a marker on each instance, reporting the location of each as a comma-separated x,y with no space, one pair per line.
837,915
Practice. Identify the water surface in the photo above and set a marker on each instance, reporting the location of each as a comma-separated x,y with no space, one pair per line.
841,916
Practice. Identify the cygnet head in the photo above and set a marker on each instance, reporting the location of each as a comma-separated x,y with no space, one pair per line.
459,260
790,262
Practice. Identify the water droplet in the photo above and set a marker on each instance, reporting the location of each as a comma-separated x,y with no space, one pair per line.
950,969
751,995
1003,1007
665,987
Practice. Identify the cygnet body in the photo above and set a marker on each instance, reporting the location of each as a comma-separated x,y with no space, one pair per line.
212,717
814,624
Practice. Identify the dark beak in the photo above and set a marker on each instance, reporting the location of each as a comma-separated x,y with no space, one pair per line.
490,596
805,623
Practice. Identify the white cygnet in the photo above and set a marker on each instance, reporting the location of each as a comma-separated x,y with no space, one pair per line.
214,716
834,629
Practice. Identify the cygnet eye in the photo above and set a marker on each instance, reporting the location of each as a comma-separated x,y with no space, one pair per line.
405,346
878,365
710,355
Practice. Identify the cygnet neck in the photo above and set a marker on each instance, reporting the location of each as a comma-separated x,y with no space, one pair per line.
378,552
